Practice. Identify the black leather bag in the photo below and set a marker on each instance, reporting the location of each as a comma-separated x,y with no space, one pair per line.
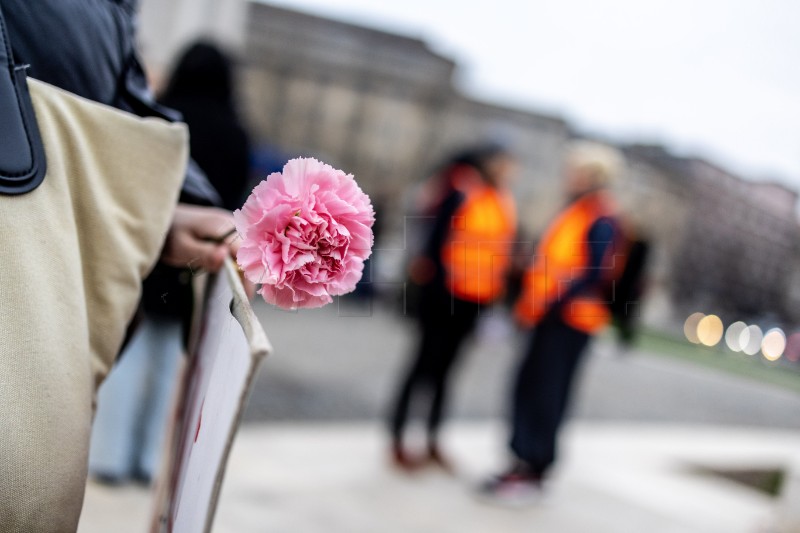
22,159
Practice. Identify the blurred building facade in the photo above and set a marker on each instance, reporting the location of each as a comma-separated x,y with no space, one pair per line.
385,107
724,244
381,105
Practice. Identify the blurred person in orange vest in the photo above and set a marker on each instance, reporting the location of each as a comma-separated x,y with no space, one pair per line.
460,271
564,300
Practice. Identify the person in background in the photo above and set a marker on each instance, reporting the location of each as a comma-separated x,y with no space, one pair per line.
133,403
460,271
564,298
202,88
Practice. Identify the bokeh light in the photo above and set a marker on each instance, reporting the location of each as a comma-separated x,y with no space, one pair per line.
690,327
750,340
733,334
710,330
773,344
793,347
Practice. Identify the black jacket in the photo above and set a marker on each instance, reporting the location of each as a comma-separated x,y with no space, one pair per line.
87,47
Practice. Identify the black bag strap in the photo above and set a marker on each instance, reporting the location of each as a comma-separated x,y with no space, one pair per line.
22,158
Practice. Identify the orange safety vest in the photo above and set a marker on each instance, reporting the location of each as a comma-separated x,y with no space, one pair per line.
477,253
563,256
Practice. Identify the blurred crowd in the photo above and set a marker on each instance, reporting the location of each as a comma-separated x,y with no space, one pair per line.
584,270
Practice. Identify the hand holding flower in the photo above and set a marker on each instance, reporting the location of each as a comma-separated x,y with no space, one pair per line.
190,241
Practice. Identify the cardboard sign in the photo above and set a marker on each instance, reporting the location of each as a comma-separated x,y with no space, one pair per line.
230,343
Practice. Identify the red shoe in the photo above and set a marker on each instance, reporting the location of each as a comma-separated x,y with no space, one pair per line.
402,460
436,458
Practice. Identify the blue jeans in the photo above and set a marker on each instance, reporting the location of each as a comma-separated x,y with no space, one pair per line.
134,402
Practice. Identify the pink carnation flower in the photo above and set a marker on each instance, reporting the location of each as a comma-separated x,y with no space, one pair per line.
306,233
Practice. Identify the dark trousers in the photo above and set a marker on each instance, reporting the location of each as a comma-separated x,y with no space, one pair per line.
445,321
542,391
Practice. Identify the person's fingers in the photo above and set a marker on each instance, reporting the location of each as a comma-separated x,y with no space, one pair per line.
186,250
211,223
200,238
234,242
214,261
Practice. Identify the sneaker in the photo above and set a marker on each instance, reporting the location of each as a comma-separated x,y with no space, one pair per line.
512,489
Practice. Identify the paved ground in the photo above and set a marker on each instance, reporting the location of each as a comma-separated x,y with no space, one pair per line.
311,456
342,364
615,478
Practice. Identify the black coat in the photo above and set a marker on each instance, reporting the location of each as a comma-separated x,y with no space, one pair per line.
87,47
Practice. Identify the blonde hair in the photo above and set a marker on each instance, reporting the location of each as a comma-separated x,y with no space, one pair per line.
605,164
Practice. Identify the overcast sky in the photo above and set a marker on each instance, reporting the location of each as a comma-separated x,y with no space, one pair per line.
715,78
